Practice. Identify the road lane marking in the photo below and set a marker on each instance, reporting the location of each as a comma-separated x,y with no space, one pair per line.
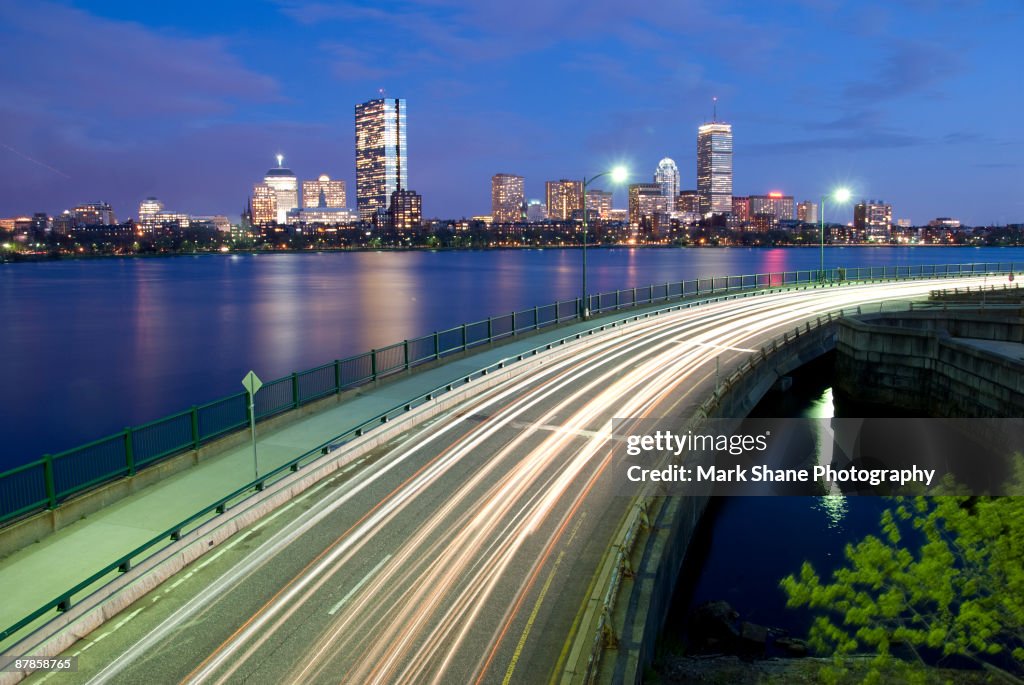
540,600
358,586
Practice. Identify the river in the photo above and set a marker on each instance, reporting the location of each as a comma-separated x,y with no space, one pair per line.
88,347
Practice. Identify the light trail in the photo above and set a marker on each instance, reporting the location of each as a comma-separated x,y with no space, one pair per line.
496,482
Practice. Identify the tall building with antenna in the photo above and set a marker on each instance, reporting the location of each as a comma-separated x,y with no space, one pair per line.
714,165
285,185
381,154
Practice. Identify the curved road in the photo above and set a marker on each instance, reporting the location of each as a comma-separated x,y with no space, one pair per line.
462,552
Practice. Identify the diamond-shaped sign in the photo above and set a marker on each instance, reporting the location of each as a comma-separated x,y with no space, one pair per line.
252,382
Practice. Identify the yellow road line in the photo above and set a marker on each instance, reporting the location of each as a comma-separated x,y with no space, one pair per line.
536,607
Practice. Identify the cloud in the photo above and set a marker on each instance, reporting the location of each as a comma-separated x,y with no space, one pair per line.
885,140
907,68
83,63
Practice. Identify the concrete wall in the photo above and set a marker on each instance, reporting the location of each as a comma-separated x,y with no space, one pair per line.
912,361
657,559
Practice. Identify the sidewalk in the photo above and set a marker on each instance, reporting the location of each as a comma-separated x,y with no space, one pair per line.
41,571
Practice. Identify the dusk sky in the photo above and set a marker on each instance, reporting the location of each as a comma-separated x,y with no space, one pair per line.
189,101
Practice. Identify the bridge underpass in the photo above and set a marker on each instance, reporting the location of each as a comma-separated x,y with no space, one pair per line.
461,550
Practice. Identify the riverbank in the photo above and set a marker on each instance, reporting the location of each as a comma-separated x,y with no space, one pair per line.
14,257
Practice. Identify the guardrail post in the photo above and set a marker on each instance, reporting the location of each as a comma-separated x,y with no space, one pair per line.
437,346
195,427
373,364
463,337
129,453
405,352
666,291
490,330
634,297
51,489
295,390
536,318
337,375
513,323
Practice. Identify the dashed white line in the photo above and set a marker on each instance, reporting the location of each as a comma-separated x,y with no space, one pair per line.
358,585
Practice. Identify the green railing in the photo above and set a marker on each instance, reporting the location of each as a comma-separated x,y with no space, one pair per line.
45,483
463,340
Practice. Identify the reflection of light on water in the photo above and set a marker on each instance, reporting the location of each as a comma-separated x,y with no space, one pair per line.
834,504
822,408
834,507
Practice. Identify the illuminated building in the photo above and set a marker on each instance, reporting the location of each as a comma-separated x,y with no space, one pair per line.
94,214
536,211
406,209
943,222
763,222
506,198
64,223
264,205
323,192
153,217
149,208
714,168
286,188
599,203
381,154
872,220
688,201
807,212
325,216
741,208
646,200
667,177
775,203
564,197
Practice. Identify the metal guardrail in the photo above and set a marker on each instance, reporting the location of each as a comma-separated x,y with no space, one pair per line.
731,287
638,516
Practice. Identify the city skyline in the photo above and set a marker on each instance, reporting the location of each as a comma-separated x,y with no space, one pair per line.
211,101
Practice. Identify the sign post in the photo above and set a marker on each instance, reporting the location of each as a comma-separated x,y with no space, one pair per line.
252,384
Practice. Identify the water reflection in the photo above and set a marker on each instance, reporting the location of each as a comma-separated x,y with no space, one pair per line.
832,504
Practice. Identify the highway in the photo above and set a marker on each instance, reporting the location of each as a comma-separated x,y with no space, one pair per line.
462,551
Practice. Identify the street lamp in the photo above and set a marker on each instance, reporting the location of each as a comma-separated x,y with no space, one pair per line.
839,196
618,175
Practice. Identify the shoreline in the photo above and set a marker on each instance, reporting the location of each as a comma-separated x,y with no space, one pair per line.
15,258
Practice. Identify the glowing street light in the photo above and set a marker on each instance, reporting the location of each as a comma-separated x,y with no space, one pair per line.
840,196
619,175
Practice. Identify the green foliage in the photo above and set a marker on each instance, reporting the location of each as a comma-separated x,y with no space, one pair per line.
960,592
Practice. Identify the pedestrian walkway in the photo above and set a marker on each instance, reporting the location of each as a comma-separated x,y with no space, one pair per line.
41,572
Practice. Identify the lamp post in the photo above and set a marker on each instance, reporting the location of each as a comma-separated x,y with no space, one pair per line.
839,196
618,175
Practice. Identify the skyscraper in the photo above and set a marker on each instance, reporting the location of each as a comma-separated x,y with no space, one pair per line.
333,192
286,188
506,198
564,197
714,167
667,176
381,154
264,205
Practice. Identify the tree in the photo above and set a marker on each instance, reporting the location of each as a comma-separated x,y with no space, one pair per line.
960,593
